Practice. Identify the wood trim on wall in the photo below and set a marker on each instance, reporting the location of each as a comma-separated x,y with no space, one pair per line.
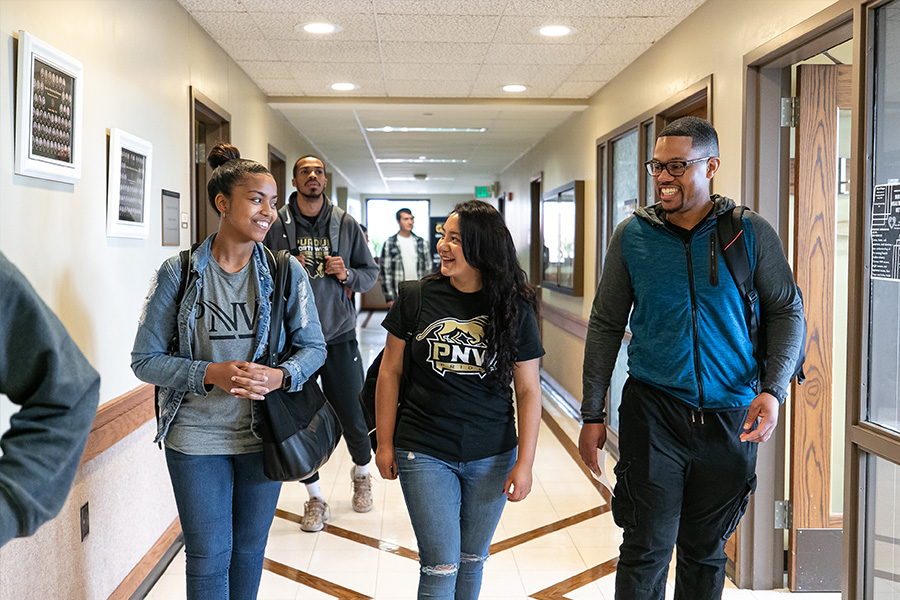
117,419
564,320
142,570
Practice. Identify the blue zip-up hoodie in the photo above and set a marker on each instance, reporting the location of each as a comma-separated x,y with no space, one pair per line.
180,373
689,330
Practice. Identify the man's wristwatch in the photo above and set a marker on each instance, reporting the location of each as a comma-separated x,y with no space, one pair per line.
285,379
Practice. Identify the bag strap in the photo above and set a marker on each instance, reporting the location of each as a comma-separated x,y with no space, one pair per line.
279,268
334,228
730,227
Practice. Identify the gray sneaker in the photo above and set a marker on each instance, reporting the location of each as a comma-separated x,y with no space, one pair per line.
362,492
315,513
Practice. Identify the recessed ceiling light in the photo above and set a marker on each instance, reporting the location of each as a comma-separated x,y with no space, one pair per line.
514,88
390,129
344,87
555,30
318,28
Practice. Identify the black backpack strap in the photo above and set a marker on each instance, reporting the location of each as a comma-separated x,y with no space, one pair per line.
279,268
730,227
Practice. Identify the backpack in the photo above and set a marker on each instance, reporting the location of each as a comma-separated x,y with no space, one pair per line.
413,291
730,227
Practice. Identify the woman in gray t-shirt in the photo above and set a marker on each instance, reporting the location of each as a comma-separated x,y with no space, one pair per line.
211,383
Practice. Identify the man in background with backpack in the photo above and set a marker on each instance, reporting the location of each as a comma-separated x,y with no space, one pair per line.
330,244
696,402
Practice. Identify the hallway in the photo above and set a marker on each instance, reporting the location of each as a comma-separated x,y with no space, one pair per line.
560,542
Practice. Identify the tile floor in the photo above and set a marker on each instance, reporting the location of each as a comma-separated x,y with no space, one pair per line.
359,553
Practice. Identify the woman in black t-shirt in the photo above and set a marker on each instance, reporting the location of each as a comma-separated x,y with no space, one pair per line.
453,441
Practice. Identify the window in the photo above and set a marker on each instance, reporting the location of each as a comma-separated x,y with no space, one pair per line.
562,218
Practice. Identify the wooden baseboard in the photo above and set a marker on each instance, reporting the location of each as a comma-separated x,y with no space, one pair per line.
146,566
117,419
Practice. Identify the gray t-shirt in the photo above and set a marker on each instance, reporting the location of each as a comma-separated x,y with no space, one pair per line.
225,329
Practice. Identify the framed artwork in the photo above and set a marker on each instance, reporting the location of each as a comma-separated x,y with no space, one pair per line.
129,186
48,112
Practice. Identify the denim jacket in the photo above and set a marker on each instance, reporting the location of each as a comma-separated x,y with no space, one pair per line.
180,373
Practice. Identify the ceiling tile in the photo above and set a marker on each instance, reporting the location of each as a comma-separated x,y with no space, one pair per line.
590,30
432,71
616,54
212,5
578,89
437,28
309,51
640,30
427,89
280,26
602,8
245,49
228,25
536,54
263,69
276,87
334,72
437,52
529,74
312,6
442,7
594,73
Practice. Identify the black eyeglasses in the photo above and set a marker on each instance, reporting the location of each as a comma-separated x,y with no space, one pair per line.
676,168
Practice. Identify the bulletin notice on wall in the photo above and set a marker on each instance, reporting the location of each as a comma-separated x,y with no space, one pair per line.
886,232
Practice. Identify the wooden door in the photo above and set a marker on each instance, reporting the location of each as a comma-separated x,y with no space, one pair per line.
814,547
210,124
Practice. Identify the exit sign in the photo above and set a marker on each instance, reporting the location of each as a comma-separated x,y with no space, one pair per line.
482,191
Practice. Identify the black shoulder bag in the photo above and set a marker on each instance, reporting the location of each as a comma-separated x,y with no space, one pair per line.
412,300
299,429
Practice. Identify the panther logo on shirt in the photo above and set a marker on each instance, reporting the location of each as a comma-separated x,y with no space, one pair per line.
457,346
314,251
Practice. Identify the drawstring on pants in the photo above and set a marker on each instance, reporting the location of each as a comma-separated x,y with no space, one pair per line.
694,417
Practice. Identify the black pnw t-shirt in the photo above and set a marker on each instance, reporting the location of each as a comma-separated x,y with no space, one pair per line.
449,410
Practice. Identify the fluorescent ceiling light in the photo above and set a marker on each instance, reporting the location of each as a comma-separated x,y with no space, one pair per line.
555,30
318,28
417,179
389,129
344,87
420,160
514,88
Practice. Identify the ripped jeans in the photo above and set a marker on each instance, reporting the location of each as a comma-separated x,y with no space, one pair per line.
454,509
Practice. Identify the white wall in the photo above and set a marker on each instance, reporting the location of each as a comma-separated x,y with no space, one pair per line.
712,40
140,57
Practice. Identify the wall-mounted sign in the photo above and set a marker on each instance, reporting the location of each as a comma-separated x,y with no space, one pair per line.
482,191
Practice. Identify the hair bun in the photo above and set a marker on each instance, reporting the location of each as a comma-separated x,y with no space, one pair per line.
221,154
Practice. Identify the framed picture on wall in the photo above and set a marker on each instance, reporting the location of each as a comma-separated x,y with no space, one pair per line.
129,186
48,112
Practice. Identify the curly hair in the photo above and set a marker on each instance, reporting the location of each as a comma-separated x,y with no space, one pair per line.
488,246
229,169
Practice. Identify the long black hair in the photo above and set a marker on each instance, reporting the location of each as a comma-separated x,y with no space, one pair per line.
229,169
488,246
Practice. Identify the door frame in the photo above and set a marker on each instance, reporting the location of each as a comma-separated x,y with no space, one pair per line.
760,554
202,105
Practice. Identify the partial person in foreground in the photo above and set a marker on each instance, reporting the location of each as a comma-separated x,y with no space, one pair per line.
329,243
212,382
452,441
44,372
695,404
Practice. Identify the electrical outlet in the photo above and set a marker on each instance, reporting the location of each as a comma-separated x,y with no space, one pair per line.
85,521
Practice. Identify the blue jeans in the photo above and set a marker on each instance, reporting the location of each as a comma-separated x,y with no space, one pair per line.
226,506
454,509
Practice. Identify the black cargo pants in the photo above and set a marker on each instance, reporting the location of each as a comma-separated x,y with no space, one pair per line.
683,479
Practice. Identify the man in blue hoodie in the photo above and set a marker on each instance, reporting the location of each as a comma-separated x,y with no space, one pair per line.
332,247
44,372
695,404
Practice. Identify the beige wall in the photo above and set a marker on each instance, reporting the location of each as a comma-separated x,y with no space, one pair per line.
713,40
140,57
